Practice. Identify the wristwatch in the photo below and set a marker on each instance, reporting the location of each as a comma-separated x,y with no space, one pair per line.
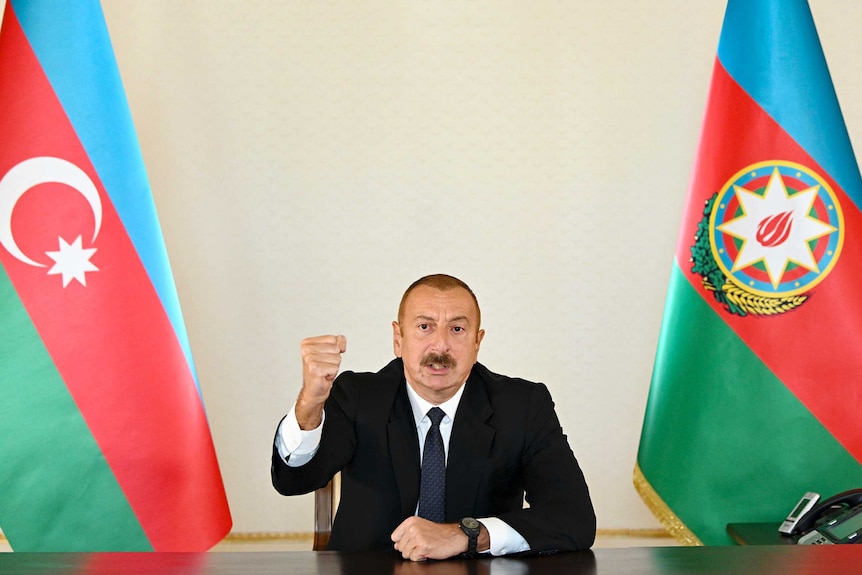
471,528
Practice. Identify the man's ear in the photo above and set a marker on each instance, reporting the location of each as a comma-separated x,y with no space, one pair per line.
479,336
396,338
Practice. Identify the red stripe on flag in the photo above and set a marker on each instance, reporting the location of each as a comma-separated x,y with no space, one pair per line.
813,349
111,341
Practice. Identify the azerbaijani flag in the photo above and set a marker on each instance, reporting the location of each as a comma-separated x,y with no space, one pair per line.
105,443
756,394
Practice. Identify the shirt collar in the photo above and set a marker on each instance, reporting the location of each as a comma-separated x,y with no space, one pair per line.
420,406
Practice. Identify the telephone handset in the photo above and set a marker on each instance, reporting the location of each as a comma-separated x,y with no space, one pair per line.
837,519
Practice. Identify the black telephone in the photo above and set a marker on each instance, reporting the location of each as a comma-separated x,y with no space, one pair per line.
837,519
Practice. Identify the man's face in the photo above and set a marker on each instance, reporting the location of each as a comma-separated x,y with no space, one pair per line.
438,339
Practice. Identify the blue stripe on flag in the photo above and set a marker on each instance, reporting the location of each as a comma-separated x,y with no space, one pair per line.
797,92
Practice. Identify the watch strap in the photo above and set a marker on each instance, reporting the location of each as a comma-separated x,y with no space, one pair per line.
471,528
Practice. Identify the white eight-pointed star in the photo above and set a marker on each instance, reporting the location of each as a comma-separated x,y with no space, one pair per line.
775,228
72,261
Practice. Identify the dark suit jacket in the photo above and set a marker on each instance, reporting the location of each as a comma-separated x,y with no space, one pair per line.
506,441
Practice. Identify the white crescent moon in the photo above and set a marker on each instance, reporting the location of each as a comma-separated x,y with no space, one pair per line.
35,171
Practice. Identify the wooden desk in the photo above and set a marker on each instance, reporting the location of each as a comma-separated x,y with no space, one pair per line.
766,560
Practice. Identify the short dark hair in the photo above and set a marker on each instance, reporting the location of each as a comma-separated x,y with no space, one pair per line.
440,282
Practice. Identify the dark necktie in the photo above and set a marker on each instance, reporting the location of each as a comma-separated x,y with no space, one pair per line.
432,491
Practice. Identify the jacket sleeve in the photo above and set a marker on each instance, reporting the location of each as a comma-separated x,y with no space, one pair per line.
560,516
337,444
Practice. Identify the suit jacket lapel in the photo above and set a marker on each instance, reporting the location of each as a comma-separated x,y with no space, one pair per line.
469,445
404,450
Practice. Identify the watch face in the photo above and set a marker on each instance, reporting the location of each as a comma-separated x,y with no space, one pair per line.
470,523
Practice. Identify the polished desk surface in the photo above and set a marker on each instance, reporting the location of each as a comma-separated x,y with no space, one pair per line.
771,560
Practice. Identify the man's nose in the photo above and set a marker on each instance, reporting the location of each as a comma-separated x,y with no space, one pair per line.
441,340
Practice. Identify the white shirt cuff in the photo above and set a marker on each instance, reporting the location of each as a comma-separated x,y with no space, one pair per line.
504,539
295,445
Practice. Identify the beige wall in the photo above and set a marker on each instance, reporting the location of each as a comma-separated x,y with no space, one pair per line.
310,159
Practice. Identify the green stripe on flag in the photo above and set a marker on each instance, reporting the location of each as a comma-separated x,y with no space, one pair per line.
723,439
57,492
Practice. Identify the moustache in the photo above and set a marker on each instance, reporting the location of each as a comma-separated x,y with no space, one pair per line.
443,359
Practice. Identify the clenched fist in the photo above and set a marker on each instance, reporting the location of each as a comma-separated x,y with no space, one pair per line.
321,358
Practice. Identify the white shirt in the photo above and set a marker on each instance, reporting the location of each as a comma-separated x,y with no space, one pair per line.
297,447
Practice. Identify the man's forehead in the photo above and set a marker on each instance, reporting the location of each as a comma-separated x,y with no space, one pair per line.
431,302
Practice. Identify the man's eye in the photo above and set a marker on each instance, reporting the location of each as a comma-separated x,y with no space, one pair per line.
457,329
423,326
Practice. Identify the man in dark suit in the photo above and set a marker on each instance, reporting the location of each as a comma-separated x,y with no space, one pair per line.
501,437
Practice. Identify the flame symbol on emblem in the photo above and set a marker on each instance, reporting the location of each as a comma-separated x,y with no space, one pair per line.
774,230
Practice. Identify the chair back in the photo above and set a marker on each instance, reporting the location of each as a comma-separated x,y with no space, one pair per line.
325,505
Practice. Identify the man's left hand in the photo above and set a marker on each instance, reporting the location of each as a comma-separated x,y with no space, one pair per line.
418,539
